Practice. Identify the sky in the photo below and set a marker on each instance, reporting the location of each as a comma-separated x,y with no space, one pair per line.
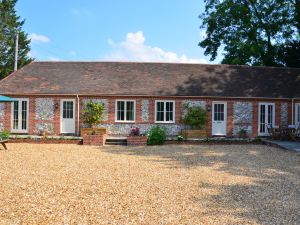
111,30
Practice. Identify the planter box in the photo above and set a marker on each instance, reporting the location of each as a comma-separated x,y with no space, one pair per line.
137,140
93,131
98,140
194,134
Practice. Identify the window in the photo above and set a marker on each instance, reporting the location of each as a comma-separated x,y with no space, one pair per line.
219,112
165,111
125,111
19,117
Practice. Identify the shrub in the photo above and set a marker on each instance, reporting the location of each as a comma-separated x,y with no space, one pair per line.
92,113
180,138
135,131
242,133
4,135
157,135
195,117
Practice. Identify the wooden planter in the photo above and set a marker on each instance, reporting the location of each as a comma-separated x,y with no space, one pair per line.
93,131
98,140
194,134
137,140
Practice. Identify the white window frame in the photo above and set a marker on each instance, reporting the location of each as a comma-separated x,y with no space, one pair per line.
20,115
125,109
297,112
155,111
273,119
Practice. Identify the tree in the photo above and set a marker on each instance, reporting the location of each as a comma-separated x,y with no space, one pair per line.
10,24
251,31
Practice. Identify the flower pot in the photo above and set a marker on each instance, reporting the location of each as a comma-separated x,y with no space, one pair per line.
93,131
98,140
194,134
137,140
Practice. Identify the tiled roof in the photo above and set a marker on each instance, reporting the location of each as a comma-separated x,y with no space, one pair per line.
152,79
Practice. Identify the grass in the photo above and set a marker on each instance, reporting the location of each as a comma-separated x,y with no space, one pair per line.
222,184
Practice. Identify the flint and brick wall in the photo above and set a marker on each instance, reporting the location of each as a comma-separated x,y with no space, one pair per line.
44,114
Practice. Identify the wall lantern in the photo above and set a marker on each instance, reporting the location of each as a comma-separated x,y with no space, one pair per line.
56,105
208,108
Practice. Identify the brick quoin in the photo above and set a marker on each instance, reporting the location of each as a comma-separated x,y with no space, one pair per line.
151,108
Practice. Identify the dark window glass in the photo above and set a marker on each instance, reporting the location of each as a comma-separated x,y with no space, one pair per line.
16,115
125,110
24,115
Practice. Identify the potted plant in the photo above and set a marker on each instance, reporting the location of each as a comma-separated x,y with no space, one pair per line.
195,120
92,115
135,138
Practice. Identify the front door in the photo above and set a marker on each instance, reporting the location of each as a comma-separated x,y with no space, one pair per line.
266,117
67,115
219,118
19,116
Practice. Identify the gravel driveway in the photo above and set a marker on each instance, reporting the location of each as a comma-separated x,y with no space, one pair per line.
222,184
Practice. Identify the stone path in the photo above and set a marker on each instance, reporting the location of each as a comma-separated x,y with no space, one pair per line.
287,145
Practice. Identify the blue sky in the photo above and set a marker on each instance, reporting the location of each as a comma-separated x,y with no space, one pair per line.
111,30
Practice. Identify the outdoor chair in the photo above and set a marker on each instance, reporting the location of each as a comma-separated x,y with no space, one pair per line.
3,143
274,132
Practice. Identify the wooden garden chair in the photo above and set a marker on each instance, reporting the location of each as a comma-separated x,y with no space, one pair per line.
3,143
274,132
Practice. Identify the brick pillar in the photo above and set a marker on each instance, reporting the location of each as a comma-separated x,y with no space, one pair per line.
138,111
31,116
7,118
178,112
57,116
277,113
151,111
255,119
209,118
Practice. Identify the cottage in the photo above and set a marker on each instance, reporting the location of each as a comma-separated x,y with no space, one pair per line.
50,96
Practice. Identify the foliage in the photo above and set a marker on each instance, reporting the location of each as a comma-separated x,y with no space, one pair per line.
180,138
93,113
195,116
10,23
249,31
242,133
157,135
4,135
135,131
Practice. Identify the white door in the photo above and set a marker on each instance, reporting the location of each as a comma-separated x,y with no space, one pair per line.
67,115
219,118
266,116
297,113
19,116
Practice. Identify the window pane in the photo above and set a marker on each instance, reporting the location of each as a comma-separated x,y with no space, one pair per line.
262,119
130,110
16,115
120,110
298,114
24,115
160,111
270,114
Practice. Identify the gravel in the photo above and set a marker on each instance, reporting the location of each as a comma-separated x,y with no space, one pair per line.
222,184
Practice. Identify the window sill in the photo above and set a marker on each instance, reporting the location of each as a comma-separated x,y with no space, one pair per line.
160,122
120,122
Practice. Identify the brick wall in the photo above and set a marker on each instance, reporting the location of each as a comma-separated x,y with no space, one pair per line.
111,124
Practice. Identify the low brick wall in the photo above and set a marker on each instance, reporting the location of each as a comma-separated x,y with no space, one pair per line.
98,140
46,141
137,140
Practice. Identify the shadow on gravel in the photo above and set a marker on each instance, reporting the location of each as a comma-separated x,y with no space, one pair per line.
272,198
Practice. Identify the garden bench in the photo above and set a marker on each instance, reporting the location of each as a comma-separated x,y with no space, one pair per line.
3,143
